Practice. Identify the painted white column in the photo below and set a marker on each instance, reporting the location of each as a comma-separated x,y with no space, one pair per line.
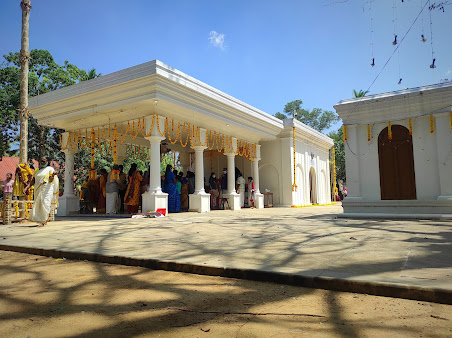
352,165
69,202
200,200
154,198
443,143
155,184
258,197
199,169
69,172
231,173
231,195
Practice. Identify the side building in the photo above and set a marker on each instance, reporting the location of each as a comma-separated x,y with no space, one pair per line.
398,152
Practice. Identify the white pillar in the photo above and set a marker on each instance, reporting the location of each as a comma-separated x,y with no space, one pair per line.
443,142
258,197
154,198
155,184
231,195
352,165
200,200
231,173
199,169
68,203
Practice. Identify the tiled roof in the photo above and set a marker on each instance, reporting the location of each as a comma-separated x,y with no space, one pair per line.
9,165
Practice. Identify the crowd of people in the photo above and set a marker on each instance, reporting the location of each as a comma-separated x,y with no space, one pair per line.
218,189
116,192
40,185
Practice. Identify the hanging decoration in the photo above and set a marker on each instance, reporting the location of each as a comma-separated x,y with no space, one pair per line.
368,133
371,34
389,131
344,135
432,66
294,185
432,124
105,139
410,126
335,190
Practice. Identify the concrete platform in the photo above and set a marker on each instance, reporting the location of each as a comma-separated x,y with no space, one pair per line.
300,246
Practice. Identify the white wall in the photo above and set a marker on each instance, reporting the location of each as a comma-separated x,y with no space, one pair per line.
426,147
276,171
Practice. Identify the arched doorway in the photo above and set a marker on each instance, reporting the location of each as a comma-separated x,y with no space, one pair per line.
397,179
312,186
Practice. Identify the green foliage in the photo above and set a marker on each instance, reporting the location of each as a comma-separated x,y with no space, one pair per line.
337,137
317,118
44,75
361,93
168,158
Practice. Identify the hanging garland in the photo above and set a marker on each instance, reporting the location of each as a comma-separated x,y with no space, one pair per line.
104,139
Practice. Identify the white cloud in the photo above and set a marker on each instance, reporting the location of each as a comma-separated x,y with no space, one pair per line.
216,39
449,72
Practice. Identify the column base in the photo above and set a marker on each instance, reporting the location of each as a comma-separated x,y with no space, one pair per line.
259,201
68,205
153,201
199,202
233,201
444,198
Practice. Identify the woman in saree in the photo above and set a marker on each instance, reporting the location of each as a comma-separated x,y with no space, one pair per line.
183,193
45,182
132,198
171,190
101,203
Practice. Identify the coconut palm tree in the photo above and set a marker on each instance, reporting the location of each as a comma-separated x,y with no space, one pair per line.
361,93
91,74
24,59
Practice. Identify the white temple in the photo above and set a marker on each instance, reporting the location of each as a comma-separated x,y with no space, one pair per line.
399,152
158,104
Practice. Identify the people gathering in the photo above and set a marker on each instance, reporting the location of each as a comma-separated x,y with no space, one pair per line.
116,192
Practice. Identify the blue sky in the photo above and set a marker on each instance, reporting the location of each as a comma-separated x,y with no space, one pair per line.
265,53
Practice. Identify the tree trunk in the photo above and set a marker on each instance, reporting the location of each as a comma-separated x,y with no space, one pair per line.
24,59
41,150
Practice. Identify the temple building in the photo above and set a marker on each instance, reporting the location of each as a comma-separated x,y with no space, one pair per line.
398,152
152,106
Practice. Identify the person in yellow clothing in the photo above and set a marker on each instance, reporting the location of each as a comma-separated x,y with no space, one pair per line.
23,176
132,198
101,204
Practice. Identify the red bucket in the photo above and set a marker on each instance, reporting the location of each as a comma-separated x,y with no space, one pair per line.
162,211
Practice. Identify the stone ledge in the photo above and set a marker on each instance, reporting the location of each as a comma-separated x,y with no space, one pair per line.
436,295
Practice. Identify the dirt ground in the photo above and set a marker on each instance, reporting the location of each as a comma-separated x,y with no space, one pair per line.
46,297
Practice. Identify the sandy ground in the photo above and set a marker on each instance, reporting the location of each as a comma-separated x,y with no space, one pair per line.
46,297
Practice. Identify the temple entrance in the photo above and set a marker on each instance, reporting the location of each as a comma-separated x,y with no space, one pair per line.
397,179
312,186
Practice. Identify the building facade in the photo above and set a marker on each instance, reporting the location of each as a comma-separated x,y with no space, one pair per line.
153,105
398,152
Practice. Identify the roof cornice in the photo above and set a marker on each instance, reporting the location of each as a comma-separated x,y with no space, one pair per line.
397,105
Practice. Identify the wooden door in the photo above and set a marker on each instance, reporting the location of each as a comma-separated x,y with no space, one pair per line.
397,179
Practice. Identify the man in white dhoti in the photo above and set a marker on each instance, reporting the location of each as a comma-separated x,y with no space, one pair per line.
241,189
46,192
113,202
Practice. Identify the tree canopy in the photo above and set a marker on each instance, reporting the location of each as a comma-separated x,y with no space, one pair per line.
44,75
316,118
